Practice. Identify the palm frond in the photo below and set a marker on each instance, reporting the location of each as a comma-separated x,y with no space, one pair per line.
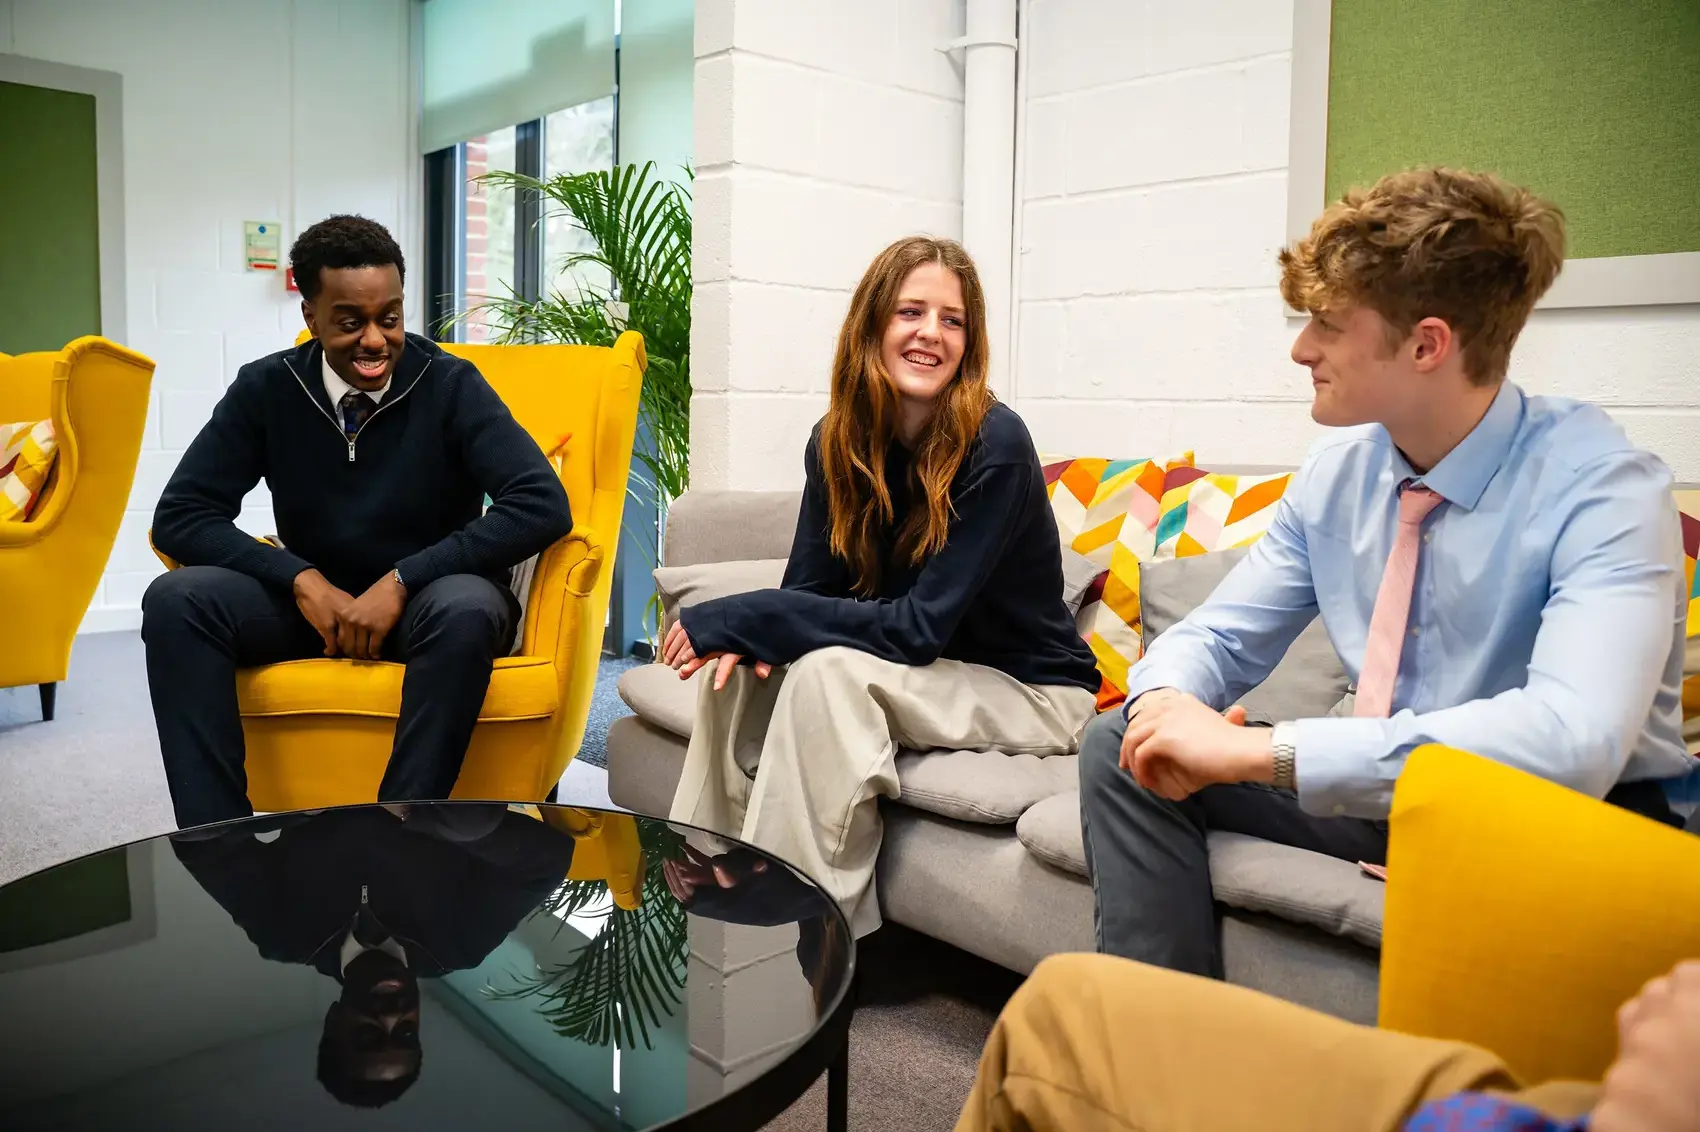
631,976
640,231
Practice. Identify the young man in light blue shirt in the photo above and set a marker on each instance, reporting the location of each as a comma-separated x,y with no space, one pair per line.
1532,611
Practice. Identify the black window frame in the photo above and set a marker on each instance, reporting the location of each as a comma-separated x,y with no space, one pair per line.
444,279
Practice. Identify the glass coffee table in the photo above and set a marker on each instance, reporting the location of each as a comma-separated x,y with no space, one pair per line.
438,965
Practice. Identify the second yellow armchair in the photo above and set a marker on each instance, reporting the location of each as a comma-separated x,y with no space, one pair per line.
96,394
1521,915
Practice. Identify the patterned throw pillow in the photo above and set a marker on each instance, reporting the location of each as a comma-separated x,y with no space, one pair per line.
1204,511
1107,511
1688,503
27,452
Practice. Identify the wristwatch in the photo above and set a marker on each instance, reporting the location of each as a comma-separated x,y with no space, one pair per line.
1284,739
396,574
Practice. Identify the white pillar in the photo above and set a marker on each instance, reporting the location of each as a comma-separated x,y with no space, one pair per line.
988,166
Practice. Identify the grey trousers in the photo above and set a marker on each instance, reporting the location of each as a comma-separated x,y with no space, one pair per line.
1150,869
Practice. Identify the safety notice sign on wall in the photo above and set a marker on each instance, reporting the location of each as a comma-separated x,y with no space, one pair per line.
262,244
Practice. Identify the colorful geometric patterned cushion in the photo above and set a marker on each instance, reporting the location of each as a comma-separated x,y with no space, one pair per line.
27,451
1106,511
1204,511
1688,503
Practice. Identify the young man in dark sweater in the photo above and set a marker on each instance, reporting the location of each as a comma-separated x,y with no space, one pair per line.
379,449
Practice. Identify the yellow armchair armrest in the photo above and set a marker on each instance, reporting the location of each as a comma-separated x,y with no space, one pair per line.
1521,914
607,850
172,563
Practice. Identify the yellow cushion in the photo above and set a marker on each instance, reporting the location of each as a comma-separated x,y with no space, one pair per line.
27,451
1521,914
521,687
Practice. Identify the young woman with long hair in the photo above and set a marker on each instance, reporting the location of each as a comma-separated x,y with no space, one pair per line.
922,606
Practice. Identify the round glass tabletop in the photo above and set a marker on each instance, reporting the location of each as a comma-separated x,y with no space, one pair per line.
432,966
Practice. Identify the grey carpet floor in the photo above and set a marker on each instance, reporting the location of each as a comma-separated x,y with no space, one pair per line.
923,1015
605,707
91,779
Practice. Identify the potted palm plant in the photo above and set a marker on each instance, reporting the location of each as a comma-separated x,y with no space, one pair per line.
636,275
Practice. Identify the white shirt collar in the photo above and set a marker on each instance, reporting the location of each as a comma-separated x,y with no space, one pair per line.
351,948
338,388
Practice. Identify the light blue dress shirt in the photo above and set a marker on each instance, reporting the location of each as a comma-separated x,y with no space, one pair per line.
1547,620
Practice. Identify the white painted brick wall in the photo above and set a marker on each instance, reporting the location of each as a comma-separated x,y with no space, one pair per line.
285,110
1154,198
824,130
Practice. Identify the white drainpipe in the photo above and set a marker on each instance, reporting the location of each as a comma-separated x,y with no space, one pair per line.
988,167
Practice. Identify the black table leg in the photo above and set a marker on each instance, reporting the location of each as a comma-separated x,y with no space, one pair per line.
838,1090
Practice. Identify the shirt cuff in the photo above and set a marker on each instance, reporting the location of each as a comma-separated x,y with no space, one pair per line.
1340,767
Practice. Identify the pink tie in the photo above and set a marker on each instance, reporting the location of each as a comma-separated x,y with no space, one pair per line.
1393,607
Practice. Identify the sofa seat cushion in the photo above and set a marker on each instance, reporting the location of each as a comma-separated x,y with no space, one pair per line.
986,787
521,687
978,786
1246,872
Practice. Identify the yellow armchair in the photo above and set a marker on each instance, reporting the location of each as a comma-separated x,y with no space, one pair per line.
1520,915
96,393
319,731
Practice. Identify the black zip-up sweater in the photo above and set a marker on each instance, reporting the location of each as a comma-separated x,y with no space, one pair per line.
404,495
992,595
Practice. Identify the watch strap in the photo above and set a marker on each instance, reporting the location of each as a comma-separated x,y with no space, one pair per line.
1284,742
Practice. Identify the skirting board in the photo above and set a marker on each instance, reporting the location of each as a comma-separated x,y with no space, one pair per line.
122,619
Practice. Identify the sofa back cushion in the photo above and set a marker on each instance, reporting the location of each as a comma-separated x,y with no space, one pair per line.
681,586
1309,681
726,526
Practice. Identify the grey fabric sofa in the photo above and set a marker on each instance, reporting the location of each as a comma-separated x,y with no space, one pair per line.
984,850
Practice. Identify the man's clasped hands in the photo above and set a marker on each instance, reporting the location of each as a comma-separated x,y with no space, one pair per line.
354,627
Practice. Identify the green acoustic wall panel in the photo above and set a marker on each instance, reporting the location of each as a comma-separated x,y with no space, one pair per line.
1593,103
49,219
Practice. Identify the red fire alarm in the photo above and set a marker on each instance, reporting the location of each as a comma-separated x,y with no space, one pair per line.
289,281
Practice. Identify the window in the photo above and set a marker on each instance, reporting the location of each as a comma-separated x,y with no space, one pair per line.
488,238
492,242
575,140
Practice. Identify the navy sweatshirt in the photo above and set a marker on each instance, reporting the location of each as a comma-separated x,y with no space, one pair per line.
992,595
406,494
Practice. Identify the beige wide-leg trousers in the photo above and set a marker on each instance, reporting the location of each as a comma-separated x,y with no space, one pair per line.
1092,1042
796,764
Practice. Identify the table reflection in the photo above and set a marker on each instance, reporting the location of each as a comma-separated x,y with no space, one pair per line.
377,899
443,964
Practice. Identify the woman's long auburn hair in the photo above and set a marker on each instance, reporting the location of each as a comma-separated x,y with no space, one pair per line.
861,420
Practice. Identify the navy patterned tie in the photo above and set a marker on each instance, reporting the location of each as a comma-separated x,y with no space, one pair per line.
356,407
